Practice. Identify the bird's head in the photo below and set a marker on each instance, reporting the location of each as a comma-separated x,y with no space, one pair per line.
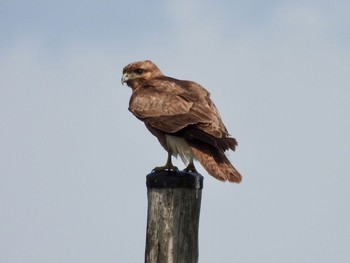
137,73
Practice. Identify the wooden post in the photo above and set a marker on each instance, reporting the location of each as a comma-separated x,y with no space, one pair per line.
174,200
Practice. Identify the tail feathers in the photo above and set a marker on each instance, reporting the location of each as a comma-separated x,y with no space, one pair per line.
222,169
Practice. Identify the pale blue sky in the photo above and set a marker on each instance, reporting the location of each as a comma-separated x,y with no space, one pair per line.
73,160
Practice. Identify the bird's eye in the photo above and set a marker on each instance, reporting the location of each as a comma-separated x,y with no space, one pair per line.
139,71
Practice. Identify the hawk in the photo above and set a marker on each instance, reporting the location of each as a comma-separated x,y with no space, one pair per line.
182,116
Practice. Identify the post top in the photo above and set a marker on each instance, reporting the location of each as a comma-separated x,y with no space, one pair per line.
174,179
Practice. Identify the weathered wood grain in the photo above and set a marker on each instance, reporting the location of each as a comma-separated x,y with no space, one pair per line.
173,217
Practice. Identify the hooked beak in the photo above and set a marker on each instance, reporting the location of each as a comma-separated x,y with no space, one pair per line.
125,78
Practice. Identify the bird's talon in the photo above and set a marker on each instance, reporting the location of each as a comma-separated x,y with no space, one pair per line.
165,169
190,168
190,171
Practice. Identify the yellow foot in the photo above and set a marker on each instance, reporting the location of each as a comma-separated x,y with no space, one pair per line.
190,168
165,168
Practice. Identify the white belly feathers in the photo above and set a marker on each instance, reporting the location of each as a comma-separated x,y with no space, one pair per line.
178,146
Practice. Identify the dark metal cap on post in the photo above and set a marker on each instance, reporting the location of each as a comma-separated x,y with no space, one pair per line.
174,179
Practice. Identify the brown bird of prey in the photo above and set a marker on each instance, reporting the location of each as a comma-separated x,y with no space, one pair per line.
182,116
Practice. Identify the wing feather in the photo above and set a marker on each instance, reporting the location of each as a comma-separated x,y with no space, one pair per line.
170,105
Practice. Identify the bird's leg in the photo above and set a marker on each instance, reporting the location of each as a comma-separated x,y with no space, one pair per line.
167,167
190,167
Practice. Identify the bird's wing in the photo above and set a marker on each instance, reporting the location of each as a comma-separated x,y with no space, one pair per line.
170,105
183,108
